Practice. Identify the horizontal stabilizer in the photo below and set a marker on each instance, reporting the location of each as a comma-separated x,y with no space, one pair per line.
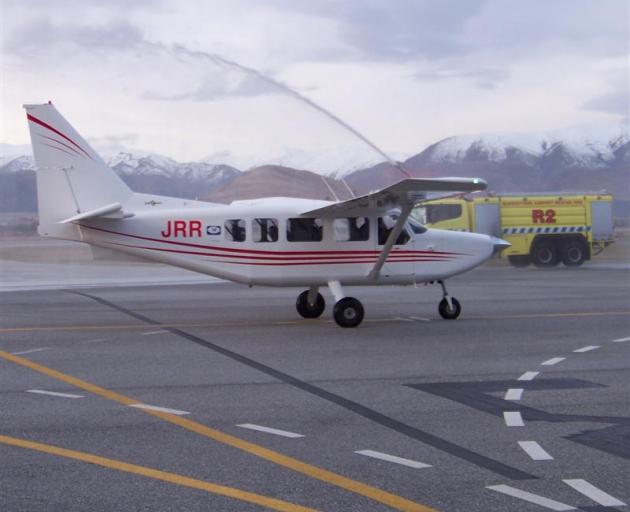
111,211
402,194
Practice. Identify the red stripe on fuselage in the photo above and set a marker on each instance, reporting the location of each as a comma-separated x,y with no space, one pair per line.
276,253
287,261
54,130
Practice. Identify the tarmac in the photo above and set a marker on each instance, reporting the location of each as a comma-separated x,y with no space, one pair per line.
205,395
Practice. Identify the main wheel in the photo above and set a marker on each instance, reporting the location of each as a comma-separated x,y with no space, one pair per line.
520,261
447,312
348,312
307,310
544,254
573,253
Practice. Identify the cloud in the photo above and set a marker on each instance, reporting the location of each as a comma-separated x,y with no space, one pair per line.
483,78
43,36
217,86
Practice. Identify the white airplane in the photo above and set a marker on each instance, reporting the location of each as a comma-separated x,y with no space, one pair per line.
275,241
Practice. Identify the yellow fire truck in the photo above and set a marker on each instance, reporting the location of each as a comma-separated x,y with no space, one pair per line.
543,229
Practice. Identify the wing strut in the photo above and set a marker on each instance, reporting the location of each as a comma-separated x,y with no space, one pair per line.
391,239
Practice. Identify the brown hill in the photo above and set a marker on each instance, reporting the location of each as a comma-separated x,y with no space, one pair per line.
278,181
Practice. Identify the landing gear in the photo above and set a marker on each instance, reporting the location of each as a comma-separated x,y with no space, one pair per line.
310,303
449,307
348,311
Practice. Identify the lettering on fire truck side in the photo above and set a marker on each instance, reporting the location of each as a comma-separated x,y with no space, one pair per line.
183,228
544,216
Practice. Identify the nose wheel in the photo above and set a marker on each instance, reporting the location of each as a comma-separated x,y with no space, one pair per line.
449,307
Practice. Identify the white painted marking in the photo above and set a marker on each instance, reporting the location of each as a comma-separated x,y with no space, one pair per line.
513,419
531,498
534,450
592,492
421,319
552,361
30,351
621,340
514,394
153,332
586,349
402,319
53,393
268,430
159,409
528,376
392,458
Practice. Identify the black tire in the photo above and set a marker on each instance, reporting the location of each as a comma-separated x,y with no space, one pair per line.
573,253
348,312
306,310
544,254
447,312
520,261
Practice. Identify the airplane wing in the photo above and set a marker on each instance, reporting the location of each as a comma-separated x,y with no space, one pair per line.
403,195
406,192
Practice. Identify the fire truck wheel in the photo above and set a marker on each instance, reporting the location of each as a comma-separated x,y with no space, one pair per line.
447,312
348,312
305,309
544,254
573,253
520,261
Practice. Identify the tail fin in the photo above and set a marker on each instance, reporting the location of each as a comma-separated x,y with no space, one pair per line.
71,177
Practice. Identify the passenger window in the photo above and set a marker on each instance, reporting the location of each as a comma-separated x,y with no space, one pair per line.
265,230
385,226
351,229
235,230
304,230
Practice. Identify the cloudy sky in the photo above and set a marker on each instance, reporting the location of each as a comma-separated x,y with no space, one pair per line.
160,76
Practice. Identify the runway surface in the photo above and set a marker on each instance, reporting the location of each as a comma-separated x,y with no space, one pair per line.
216,397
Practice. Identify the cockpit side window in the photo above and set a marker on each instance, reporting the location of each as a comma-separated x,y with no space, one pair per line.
304,230
265,230
385,226
234,230
351,229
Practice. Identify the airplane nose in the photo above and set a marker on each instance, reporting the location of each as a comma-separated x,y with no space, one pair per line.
499,244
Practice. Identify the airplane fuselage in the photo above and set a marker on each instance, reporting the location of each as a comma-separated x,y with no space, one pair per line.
267,242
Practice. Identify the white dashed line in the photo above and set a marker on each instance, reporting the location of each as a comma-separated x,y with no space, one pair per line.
421,319
592,492
30,351
528,376
586,349
153,332
552,361
621,340
534,450
53,393
268,430
159,409
514,394
531,498
392,458
513,419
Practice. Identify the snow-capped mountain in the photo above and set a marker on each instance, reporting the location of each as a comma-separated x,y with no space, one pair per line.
592,158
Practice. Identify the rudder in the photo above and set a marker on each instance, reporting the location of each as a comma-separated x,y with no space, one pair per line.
71,177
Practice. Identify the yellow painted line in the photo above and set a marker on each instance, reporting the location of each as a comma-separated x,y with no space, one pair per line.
374,493
165,476
143,326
